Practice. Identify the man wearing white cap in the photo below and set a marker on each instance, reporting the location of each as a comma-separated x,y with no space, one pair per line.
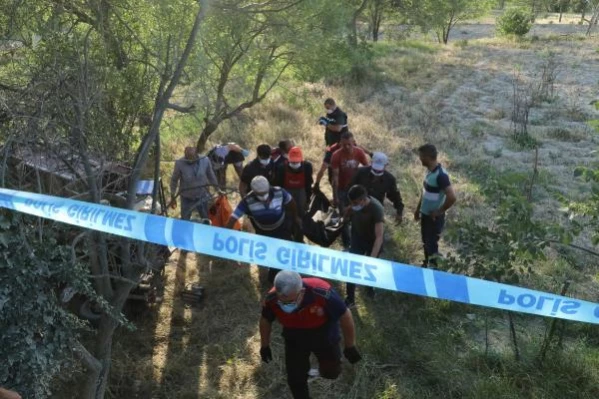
271,210
380,183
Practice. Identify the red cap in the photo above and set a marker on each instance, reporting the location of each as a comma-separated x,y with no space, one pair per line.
295,155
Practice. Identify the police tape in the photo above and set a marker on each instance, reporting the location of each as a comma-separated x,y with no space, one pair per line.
305,259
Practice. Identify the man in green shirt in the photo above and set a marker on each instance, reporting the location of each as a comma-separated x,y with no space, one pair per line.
437,197
367,228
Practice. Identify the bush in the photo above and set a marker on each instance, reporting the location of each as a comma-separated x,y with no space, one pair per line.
515,21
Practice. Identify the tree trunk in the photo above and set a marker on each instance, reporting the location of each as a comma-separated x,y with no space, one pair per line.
210,128
353,26
561,12
97,380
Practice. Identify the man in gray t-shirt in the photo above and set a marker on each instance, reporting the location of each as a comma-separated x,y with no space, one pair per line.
367,229
193,176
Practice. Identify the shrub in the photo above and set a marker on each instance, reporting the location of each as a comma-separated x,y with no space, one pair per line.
515,21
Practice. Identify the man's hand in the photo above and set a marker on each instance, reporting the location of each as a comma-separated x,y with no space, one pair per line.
417,215
436,213
323,121
173,203
352,354
266,354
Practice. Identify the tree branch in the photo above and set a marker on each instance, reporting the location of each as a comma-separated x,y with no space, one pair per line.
180,108
87,358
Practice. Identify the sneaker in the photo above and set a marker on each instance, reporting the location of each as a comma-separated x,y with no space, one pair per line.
350,302
313,373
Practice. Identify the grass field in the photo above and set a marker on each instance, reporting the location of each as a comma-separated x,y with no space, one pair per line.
459,98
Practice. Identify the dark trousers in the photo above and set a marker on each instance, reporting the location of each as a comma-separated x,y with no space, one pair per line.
283,232
358,247
297,363
331,137
431,232
345,232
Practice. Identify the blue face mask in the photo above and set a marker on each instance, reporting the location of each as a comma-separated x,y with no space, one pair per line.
288,307
357,208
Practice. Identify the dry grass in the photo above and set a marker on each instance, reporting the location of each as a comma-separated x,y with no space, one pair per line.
457,97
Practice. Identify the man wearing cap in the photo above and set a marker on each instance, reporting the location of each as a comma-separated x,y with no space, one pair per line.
222,156
437,197
192,175
380,183
345,164
260,166
335,122
367,231
271,210
295,176
311,313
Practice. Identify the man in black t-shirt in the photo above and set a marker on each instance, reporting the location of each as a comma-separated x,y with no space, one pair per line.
335,122
260,166
367,230
380,183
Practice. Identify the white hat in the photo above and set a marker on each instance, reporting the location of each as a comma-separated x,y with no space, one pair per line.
379,161
260,184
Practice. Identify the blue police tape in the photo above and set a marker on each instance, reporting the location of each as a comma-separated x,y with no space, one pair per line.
306,259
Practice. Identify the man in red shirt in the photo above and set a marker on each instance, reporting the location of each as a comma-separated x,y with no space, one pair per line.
345,163
311,313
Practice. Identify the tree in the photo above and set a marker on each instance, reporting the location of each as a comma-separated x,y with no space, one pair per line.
378,10
442,16
246,50
84,89
593,7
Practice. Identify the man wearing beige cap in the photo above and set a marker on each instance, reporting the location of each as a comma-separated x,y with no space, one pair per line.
295,176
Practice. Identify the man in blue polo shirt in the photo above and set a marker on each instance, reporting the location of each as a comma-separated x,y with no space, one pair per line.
311,313
271,210
437,197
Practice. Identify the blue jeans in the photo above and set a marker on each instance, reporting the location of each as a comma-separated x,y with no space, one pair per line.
431,233
188,205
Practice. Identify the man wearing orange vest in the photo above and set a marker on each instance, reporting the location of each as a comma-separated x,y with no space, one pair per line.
311,313
295,176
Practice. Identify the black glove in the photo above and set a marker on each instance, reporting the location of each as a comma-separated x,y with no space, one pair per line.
323,121
266,354
352,354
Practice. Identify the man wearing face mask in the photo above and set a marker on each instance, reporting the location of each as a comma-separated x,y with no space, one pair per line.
311,312
281,154
193,175
380,183
295,176
335,122
260,166
271,210
367,231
